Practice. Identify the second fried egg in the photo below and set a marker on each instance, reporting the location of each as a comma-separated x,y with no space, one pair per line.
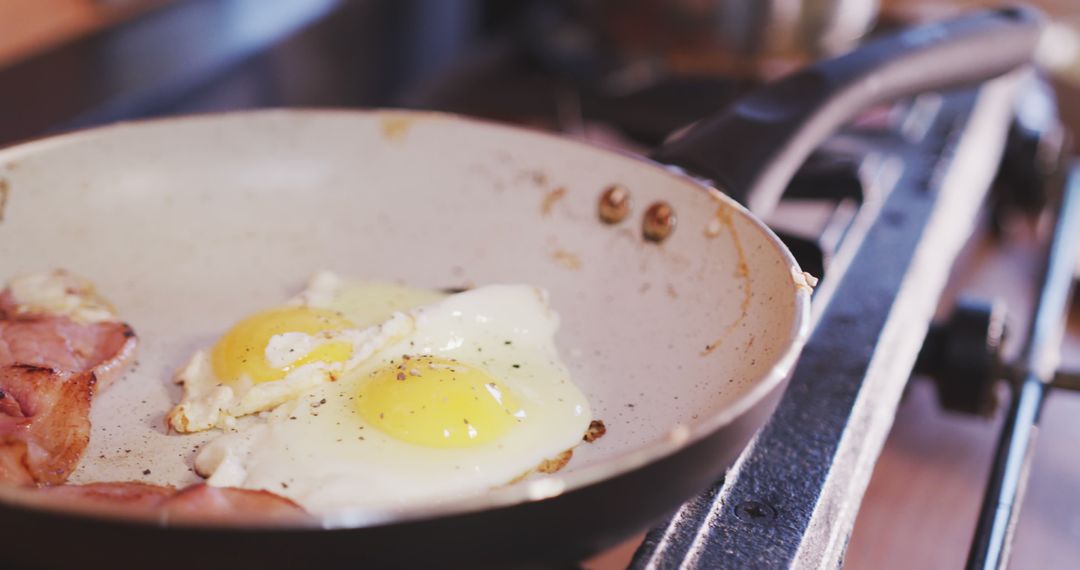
276,355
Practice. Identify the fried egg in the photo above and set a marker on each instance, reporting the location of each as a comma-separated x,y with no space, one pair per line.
278,354
461,394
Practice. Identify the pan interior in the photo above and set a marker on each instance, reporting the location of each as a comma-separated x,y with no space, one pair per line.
188,225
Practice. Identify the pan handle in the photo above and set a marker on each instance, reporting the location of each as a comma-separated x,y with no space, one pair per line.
752,149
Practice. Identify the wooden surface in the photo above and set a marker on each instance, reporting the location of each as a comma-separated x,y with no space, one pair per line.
30,26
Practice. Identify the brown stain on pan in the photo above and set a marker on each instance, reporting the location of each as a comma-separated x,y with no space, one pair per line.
556,463
5,189
547,466
723,220
395,128
567,259
550,199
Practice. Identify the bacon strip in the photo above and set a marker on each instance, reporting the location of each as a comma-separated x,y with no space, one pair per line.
129,495
203,503
47,341
198,503
44,423
50,368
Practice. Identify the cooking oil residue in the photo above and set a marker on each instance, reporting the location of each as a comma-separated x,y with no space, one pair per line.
720,221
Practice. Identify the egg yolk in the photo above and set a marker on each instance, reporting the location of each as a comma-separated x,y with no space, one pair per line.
242,350
438,402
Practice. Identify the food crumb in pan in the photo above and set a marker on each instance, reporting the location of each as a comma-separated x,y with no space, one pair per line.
596,430
803,280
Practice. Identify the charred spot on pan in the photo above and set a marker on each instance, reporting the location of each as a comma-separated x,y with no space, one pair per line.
614,204
658,223
596,430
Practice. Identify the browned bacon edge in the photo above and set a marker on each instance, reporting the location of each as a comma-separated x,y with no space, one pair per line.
50,369
44,423
54,341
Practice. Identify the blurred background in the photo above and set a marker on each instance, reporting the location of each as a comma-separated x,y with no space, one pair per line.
622,73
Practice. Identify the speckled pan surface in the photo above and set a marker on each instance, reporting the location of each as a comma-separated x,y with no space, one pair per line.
189,224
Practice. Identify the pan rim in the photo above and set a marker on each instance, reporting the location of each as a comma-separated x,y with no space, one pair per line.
537,489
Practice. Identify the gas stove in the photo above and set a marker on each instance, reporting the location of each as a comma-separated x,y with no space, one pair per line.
879,212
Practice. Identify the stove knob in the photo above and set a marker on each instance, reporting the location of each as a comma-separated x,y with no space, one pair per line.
1037,151
962,356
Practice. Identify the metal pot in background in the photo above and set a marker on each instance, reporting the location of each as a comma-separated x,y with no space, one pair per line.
751,28
745,37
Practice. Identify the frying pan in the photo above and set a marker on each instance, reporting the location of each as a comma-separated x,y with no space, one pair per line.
682,343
